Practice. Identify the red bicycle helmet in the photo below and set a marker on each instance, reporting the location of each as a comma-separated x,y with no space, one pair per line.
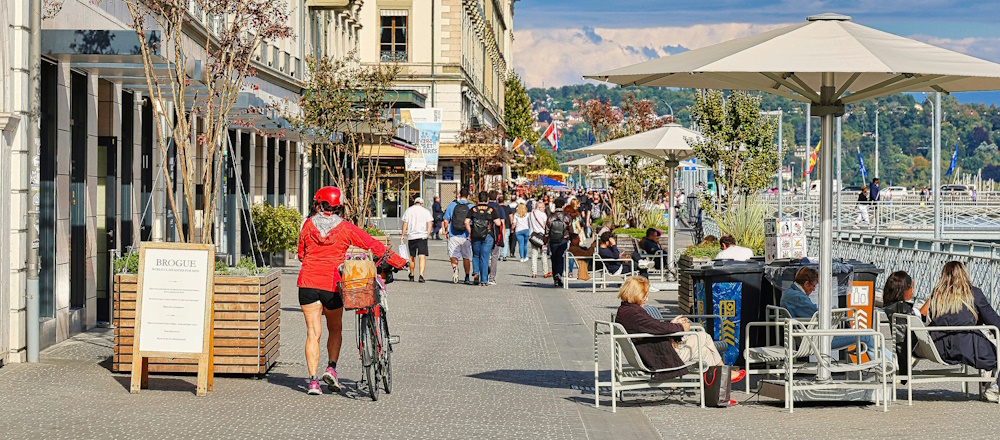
329,194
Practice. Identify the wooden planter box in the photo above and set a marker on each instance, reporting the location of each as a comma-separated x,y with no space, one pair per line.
247,319
685,283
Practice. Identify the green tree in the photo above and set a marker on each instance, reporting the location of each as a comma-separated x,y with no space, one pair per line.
517,111
737,142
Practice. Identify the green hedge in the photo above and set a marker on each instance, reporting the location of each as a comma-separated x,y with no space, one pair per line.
631,232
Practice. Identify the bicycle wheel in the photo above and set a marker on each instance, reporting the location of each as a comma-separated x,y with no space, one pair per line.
369,355
387,355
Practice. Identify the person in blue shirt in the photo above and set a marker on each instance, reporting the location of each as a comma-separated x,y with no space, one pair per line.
459,245
796,300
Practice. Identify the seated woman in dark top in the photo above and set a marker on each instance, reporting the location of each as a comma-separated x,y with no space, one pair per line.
897,295
660,353
609,251
650,245
955,301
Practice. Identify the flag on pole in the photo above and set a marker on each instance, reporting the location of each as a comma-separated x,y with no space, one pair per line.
552,135
864,171
529,149
518,144
954,158
812,160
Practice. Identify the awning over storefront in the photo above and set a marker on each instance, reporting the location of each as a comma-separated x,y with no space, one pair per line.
114,55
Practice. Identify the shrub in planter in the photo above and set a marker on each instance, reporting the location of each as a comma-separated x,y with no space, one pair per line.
277,229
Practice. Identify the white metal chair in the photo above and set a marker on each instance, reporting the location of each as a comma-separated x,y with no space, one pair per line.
628,372
810,338
774,356
660,257
601,275
911,329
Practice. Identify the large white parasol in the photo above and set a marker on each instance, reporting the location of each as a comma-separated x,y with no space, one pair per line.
828,61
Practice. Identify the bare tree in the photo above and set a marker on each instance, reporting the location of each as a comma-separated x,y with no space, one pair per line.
347,108
484,151
236,30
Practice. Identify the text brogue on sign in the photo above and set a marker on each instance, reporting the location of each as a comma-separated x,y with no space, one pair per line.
173,310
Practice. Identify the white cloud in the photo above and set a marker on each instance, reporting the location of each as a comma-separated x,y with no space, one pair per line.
985,48
556,57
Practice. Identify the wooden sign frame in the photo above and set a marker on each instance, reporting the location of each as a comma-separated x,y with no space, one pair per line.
205,358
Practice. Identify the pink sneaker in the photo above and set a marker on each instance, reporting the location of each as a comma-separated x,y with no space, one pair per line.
330,377
314,389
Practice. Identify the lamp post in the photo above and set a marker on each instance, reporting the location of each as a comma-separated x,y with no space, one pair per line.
780,114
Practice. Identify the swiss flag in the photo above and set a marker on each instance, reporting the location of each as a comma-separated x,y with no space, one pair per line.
552,135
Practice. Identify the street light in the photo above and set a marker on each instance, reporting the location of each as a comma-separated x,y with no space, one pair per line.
780,114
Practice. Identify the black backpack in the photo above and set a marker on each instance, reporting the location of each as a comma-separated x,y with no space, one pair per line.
458,216
482,218
557,229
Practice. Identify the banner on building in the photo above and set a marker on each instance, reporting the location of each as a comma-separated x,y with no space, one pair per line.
428,121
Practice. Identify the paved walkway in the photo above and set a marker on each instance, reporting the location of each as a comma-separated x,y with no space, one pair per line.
508,361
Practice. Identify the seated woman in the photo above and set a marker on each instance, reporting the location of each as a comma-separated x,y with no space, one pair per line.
650,245
609,251
955,301
897,295
660,353
796,300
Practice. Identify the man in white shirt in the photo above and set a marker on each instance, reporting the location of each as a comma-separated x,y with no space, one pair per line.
417,224
730,251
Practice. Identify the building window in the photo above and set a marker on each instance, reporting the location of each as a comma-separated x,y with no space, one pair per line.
393,35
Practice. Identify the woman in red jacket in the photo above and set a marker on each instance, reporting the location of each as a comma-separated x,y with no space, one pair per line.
323,243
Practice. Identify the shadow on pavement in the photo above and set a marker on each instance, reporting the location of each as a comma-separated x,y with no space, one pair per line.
539,378
160,383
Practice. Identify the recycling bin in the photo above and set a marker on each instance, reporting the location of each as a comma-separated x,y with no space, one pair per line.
732,290
862,296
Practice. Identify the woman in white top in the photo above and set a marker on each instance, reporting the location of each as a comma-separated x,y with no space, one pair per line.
522,229
536,224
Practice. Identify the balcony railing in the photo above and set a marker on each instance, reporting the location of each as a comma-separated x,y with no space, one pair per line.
390,56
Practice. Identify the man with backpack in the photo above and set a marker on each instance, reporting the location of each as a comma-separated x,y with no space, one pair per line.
457,234
557,231
482,223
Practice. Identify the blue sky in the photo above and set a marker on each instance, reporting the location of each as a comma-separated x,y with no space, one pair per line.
557,41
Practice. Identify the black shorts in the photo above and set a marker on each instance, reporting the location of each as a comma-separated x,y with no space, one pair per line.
330,300
417,247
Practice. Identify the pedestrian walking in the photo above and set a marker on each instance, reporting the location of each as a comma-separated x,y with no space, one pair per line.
481,223
511,208
497,251
438,214
874,198
522,230
417,225
459,246
538,244
558,230
323,241
863,207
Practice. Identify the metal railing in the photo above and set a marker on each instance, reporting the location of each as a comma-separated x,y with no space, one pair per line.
897,215
917,257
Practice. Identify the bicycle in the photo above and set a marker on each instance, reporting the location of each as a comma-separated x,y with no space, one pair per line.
374,340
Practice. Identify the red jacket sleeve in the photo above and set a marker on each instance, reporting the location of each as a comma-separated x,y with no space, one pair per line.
302,240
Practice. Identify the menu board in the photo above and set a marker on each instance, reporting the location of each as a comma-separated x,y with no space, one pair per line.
173,309
173,300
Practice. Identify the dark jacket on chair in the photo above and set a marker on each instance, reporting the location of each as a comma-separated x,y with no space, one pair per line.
656,353
971,348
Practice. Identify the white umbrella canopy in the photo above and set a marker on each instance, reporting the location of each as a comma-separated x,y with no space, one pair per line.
664,143
589,161
827,61
791,61
667,143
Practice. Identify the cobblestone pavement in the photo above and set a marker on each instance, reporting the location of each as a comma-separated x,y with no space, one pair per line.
507,361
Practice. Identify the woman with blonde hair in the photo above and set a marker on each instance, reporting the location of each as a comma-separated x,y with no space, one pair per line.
522,230
954,302
668,352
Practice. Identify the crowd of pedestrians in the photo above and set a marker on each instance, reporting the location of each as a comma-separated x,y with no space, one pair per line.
493,226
